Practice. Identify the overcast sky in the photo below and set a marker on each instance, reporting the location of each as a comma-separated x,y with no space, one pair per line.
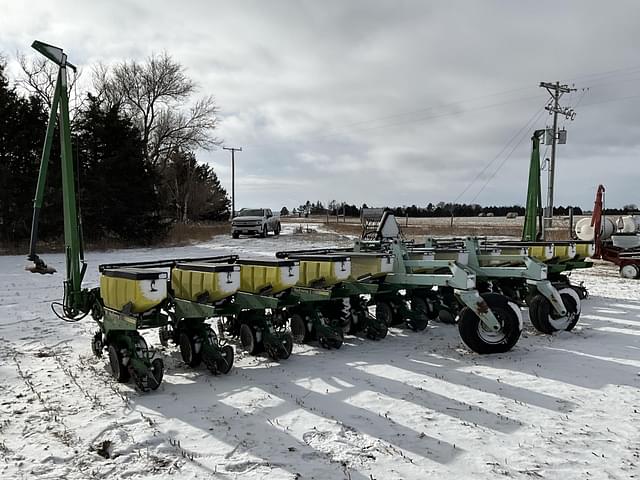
383,102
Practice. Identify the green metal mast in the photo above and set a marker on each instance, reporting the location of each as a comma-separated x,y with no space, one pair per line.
532,230
75,300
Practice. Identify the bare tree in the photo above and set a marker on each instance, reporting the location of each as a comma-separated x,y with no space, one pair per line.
193,189
181,181
39,78
157,94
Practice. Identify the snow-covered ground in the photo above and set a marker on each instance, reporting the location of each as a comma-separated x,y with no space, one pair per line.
410,406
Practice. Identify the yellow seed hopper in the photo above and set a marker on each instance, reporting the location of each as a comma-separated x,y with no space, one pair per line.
205,282
268,276
133,290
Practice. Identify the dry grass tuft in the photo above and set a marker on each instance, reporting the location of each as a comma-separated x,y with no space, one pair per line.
178,235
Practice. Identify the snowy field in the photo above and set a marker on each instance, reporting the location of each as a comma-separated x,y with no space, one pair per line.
412,406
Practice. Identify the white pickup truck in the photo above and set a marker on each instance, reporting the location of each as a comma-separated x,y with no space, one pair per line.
252,221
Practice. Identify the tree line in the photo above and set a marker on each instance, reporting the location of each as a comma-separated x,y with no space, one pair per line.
134,134
440,209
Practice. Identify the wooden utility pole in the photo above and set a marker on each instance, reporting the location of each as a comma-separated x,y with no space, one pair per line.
233,177
556,91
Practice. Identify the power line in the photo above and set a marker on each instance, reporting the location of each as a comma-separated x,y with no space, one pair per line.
539,114
404,122
615,99
547,147
339,131
504,148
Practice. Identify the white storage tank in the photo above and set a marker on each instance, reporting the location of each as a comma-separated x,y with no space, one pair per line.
626,240
628,224
585,231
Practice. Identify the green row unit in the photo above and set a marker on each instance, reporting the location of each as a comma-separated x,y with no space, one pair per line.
460,256
323,270
560,252
135,290
268,276
365,264
205,282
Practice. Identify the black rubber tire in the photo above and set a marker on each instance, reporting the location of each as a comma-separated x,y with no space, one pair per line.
348,326
478,339
384,313
287,346
96,344
299,331
539,307
358,323
225,364
630,271
330,343
248,339
337,342
164,336
156,374
281,350
374,329
421,310
432,312
377,332
446,317
264,232
188,350
541,313
277,230
118,370
235,235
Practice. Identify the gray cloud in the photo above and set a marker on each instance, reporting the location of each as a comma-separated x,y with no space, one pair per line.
381,102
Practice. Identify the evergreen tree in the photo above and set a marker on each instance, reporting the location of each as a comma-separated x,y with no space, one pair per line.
22,127
215,201
117,191
194,190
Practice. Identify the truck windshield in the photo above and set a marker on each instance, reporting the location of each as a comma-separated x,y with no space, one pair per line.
250,213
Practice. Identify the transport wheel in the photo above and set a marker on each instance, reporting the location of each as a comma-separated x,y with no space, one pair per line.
384,313
277,230
264,232
248,339
581,290
299,330
96,343
156,373
482,340
235,235
544,318
420,311
630,271
118,369
225,362
188,350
